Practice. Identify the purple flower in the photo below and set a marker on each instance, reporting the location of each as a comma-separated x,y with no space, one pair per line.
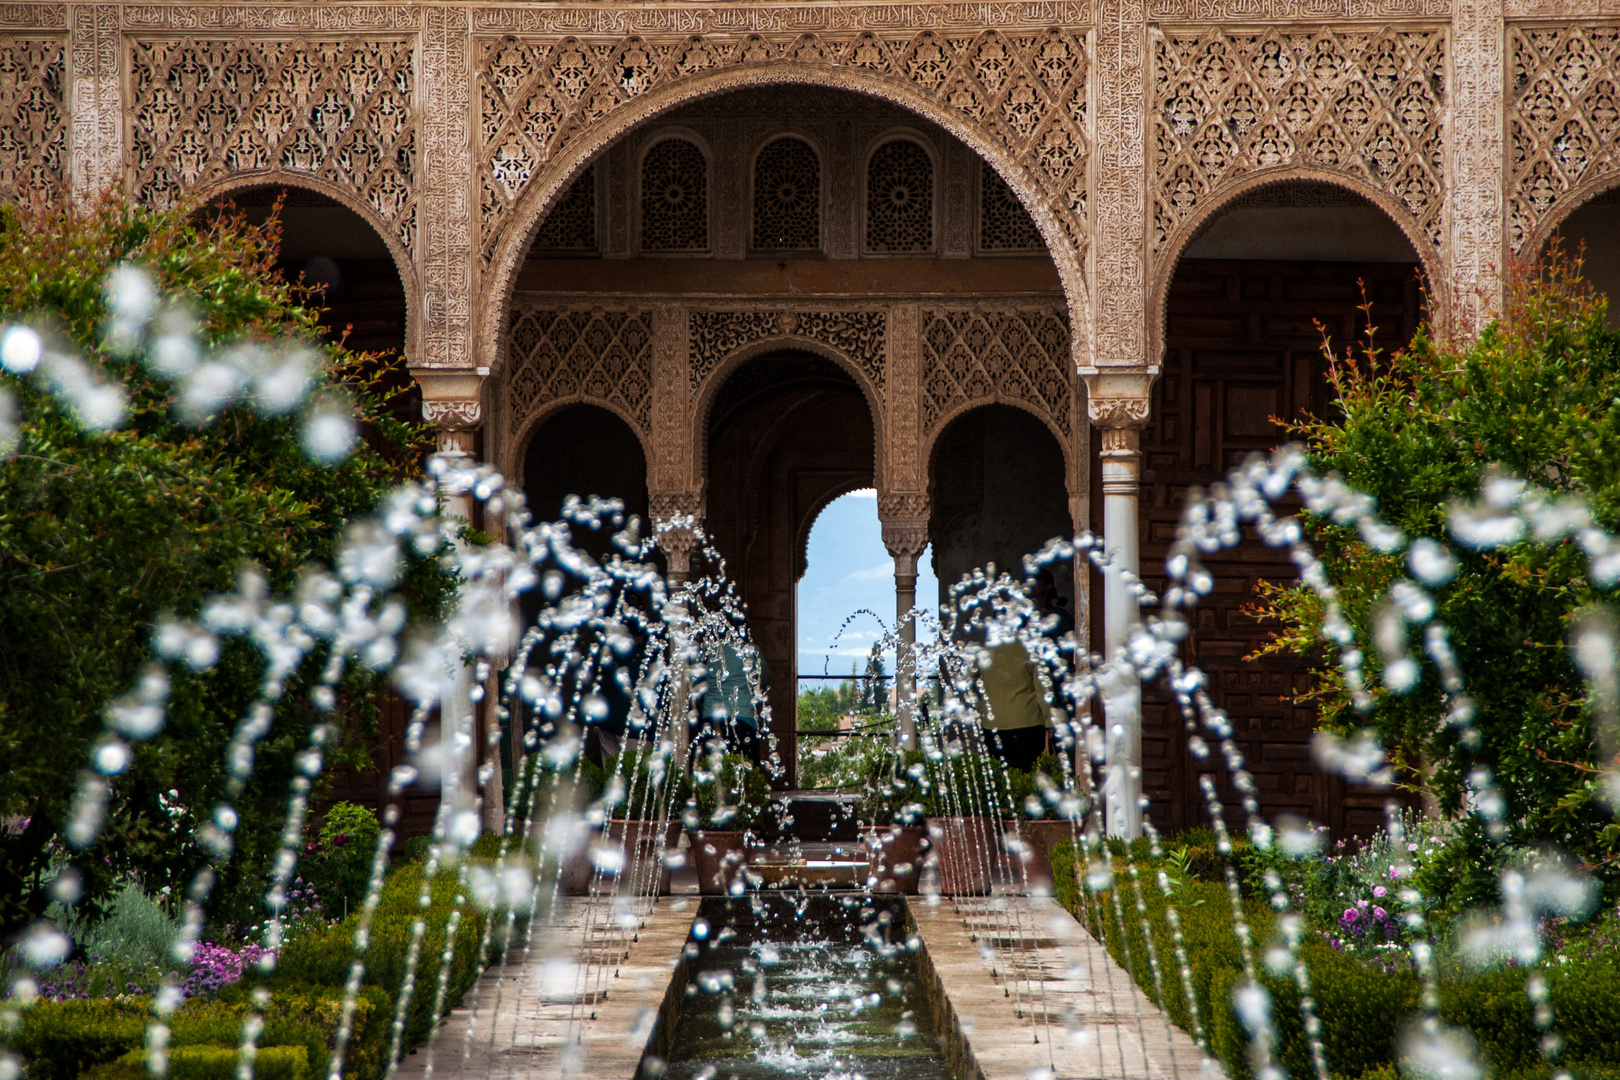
1379,890
1350,915
1380,914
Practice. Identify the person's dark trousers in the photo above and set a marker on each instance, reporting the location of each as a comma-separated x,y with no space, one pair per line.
1019,748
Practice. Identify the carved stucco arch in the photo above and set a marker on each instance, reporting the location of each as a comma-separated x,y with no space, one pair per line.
517,442
709,389
404,266
542,191
1222,200
1571,201
1066,442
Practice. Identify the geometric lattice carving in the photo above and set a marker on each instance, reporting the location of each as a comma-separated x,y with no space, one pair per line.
570,225
339,110
581,354
859,335
1369,106
787,196
1004,224
675,197
1007,354
544,85
33,119
1563,118
900,198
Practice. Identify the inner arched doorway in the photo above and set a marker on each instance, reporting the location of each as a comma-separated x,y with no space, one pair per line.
787,433
1282,273
1592,231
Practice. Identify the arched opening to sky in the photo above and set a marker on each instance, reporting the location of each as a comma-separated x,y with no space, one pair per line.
847,570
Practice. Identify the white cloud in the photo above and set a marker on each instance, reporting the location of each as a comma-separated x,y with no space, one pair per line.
871,573
861,493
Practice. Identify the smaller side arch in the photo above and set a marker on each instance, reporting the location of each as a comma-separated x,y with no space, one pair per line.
1165,267
403,260
1574,199
1071,462
801,552
709,388
514,467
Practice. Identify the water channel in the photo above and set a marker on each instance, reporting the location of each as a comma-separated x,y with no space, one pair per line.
794,985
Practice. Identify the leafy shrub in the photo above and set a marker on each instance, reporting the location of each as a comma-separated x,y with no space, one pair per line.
1360,1006
137,933
338,862
103,533
730,793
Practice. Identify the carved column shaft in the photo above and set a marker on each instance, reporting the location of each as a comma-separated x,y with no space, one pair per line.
97,139
905,533
1478,246
447,208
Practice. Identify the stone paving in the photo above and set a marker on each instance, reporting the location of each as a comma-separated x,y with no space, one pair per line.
1021,992
1024,992
583,1001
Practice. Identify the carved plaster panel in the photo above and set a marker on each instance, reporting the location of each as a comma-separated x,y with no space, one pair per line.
34,128
447,226
857,335
339,110
985,353
593,354
1362,103
1563,123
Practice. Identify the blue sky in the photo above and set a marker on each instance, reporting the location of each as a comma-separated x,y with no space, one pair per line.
849,569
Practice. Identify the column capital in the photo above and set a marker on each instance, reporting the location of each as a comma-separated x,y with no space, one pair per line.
452,401
1117,400
675,519
904,515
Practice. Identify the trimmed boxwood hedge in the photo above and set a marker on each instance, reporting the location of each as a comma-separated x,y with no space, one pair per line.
63,1040
1361,1009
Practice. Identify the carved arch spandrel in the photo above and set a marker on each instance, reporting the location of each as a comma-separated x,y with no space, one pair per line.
1434,265
341,110
1061,228
404,263
566,354
1563,124
1360,106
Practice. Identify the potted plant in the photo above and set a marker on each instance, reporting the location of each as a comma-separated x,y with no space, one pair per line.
728,800
1036,822
644,825
965,838
893,810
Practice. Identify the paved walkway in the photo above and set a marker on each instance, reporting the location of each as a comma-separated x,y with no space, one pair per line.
1028,993
581,1001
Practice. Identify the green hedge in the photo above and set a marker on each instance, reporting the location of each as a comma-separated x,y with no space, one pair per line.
1360,1009
63,1040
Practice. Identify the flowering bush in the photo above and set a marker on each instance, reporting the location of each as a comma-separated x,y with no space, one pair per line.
214,967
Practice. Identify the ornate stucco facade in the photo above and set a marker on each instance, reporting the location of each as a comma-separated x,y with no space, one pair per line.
1124,127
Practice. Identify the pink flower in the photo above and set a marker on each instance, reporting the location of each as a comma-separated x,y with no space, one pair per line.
1380,914
1379,890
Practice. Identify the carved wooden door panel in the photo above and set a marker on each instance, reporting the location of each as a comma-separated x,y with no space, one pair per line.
1244,350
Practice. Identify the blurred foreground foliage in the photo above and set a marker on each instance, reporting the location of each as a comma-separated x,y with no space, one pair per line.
102,533
1537,395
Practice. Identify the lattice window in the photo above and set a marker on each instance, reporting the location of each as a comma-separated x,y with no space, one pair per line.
675,198
899,198
339,110
33,134
571,224
1367,106
1564,121
1004,224
787,197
